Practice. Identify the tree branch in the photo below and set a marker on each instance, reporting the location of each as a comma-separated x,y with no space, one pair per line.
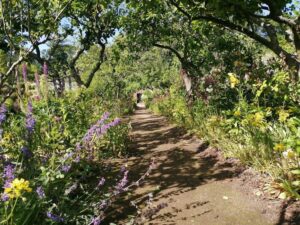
96,66
180,9
171,49
72,66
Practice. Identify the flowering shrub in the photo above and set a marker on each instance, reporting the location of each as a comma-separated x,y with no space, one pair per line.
254,120
52,161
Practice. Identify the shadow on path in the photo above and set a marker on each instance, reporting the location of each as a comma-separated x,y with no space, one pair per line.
191,177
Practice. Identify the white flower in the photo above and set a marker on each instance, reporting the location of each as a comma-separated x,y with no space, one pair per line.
288,154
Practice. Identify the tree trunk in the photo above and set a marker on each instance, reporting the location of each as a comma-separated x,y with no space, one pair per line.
187,80
70,82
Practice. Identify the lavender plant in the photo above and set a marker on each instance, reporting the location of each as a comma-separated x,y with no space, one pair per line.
53,172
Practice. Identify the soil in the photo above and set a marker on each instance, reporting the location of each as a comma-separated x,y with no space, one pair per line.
193,184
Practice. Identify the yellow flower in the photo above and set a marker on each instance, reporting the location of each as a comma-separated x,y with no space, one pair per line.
237,113
233,80
257,119
283,115
17,187
279,147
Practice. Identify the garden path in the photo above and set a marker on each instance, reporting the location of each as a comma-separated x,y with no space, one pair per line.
199,186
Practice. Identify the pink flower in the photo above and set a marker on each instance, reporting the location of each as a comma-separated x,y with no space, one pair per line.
24,72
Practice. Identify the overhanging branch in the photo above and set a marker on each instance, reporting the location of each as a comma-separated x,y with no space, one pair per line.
171,49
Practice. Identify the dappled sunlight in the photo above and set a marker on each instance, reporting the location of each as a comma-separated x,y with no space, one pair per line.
191,177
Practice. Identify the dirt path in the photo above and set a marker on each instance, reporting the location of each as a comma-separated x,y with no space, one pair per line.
198,185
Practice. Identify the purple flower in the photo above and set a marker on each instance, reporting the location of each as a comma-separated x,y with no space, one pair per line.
101,182
45,69
99,129
30,121
77,159
120,187
45,158
103,204
115,122
8,174
68,155
65,168
37,78
95,132
37,81
26,152
78,147
4,197
40,191
96,221
122,169
24,72
96,129
54,217
103,118
3,111
29,107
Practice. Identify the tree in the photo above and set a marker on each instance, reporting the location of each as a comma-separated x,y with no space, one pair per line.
265,21
24,26
96,22
198,45
159,26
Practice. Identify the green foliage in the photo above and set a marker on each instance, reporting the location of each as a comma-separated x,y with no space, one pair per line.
254,119
47,158
237,96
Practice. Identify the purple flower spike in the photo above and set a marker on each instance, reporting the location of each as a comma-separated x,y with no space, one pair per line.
45,69
96,221
37,79
30,121
103,118
68,155
54,217
122,169
8,175
26,152
120,187
101,182
116,122
3,111
103,204
40,191
77,159
65,168
29,107
4,197
99,129
24,72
